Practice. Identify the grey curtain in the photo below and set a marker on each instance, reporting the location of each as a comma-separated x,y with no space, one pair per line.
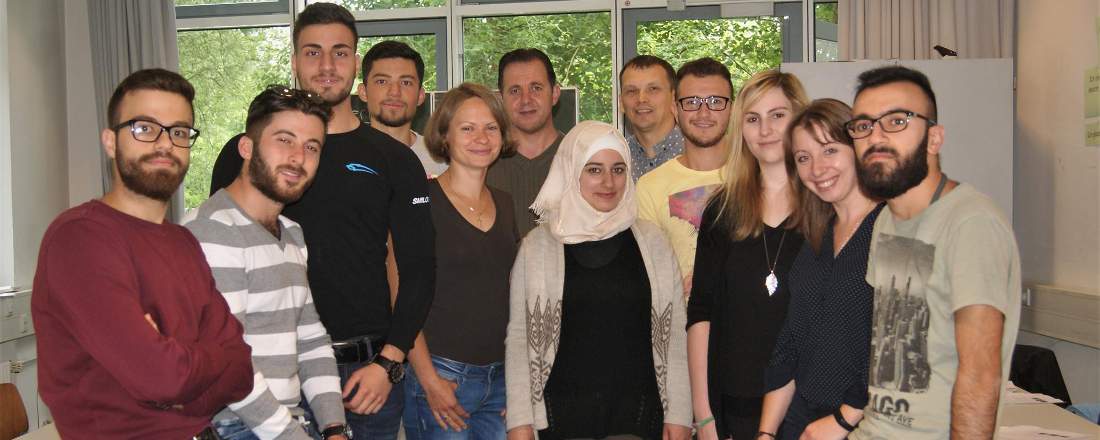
909,29
127,36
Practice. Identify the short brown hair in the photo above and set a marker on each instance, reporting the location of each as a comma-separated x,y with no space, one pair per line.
646,61
830,115
150,79
435,136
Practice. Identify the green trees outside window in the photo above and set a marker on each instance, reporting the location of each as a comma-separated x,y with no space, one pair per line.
228,67
579,46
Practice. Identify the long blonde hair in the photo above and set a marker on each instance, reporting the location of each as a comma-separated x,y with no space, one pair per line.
741,197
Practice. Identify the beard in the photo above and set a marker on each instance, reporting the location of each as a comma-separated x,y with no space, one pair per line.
332,95
398,121
157,184
265,180
702,142
884,184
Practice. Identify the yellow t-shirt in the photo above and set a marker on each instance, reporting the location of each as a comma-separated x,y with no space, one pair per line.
674,196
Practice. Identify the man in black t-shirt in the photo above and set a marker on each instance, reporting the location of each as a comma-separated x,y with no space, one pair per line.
368,185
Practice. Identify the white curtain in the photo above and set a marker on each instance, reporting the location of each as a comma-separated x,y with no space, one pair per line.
127,36
909,29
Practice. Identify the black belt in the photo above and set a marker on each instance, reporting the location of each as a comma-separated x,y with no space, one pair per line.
355,350
207,434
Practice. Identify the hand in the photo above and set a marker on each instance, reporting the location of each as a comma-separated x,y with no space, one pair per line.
524,432
825,428
149,319
441,399
708,432
374,387
675,432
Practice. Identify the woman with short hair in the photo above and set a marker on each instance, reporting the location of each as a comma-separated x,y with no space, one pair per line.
457,390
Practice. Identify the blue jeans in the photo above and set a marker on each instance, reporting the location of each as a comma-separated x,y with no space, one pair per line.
382,425
235,429
480,392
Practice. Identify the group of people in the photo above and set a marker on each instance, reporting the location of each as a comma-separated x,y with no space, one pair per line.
758,266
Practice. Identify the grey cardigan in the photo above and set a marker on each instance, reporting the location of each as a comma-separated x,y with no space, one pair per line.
535,324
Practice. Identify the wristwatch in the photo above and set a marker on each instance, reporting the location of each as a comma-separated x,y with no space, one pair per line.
336,430
394,370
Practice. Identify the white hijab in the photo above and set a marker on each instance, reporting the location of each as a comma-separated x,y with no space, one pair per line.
560,205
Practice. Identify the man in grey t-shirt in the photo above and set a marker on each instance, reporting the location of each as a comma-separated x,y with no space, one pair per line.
946,273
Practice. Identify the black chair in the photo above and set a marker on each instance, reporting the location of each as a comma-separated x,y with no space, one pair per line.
1036,370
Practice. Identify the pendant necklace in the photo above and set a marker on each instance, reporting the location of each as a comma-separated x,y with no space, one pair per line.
771,282
477,208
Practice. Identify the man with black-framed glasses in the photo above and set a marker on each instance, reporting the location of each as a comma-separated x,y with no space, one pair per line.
674,194
945,269
134,341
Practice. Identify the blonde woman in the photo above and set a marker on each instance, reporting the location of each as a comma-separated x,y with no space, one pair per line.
596,333
747,242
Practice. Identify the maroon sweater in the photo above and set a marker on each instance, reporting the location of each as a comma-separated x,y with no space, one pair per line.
103,370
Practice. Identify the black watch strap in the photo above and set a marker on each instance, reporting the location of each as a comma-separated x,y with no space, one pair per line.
843,423
336,430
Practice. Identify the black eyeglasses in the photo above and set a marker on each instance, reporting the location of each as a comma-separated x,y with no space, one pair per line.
148,131
713,102
892,122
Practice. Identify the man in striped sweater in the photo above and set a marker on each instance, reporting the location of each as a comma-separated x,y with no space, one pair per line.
258,258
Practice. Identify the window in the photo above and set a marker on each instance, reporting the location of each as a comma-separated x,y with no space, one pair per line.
745,45
248,60
579,46
825,32
366,5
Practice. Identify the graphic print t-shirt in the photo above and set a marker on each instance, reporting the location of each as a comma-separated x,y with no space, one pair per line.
958,252
673,196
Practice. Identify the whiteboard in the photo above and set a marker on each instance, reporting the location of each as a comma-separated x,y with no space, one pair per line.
975,102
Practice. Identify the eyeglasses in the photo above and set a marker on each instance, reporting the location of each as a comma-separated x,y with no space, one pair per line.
148,131
713,102
892,122
288,92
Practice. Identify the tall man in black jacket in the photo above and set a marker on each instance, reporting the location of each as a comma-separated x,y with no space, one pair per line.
368,185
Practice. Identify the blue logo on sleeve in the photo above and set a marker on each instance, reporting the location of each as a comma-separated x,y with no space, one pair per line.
360,168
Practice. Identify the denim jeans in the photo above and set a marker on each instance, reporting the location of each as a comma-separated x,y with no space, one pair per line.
236,429
382,425
480,392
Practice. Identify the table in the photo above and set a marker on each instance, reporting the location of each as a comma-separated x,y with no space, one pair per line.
1047,415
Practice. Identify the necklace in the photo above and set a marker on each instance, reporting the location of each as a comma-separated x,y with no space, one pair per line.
771,282
476,209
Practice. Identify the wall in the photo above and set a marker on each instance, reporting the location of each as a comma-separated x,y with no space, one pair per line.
38,126
1057,184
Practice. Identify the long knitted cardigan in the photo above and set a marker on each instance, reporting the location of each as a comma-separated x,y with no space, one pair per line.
535,324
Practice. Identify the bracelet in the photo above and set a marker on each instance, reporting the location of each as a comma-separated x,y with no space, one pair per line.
842,422
704,422
760,433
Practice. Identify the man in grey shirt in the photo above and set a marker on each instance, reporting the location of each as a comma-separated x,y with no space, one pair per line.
647,99
529,89
258,258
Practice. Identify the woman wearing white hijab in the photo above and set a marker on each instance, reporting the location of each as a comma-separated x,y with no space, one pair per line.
596,346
